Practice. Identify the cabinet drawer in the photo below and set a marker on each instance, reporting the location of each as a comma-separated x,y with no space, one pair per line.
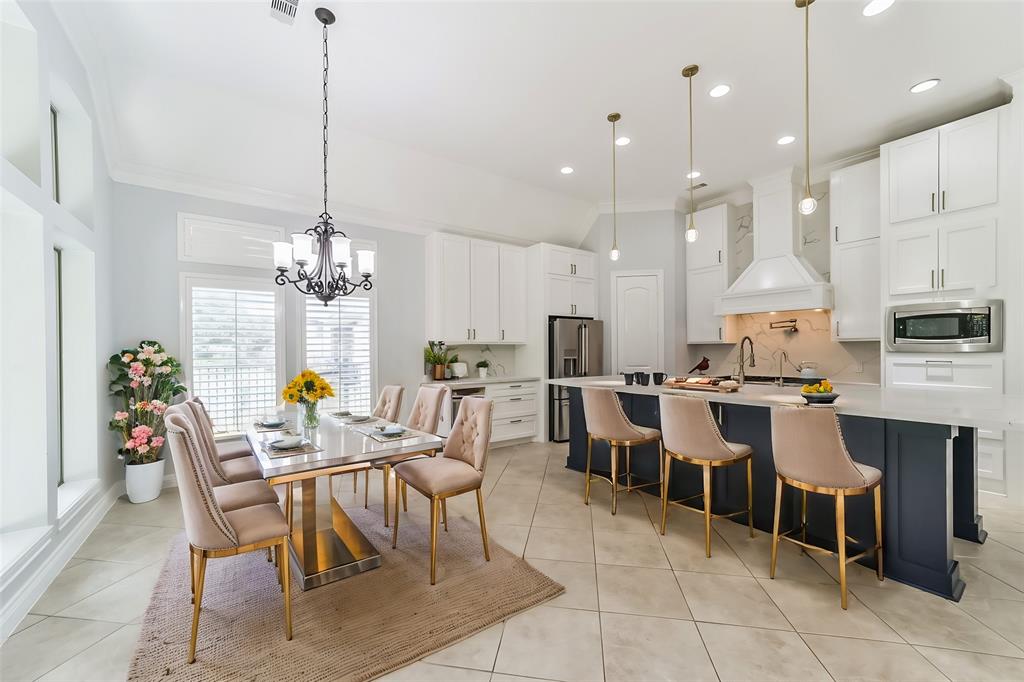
515,427
528,388
991,455
945,373
514,406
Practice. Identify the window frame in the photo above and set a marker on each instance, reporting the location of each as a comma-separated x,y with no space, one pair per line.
55,151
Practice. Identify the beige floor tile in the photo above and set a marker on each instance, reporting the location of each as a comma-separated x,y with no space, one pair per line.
815,608
1010,571
579,579
121,602
558,490
104,661
109,538
630,513
39,649
1004,616
513,512
428,672
512,538
756,554
163,511
573,514
629,549
30,620
78,582
964,666
561,544
683,542
499,677
861,660
526,477
1012,539
640,592
552,643
475,652
730,599
650,649
745,653
981,584
999,520
145,549
514,492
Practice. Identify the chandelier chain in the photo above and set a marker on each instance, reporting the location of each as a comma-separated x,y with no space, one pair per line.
327,65
615,211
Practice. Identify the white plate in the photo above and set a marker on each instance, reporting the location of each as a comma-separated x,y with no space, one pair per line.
392,430
289,443
271,422
356,419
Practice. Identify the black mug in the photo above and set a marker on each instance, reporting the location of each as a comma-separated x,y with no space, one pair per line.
642,378
659,378
628,376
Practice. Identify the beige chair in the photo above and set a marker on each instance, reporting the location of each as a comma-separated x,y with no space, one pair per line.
213,532
424,416
389,405
691,435
222,471
606,421
227,450
810,455
459,469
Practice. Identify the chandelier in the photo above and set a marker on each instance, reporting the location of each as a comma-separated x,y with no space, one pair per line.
323,253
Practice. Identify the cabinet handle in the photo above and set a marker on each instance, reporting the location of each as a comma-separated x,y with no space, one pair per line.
719,255
502,334
933,202
837,327
468,334
943,200
514,400
474,334
719,333
942,278
932,280
837,234
516,421
515,386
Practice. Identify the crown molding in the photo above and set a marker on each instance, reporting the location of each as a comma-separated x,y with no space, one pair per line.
640,206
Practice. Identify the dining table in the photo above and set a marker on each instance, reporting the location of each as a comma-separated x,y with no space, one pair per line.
326,545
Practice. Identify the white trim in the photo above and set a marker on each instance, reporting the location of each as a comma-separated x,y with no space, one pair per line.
638,206
659,276
228,256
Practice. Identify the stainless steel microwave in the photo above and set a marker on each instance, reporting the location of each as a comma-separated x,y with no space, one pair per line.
974,326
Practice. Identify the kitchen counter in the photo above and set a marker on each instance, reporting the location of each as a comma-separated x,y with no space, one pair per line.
470,382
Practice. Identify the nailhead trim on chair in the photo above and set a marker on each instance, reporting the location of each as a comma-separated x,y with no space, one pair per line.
209,505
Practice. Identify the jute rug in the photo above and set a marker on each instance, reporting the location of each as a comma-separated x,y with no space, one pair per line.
353,629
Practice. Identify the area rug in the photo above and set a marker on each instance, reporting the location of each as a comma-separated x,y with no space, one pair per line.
353,629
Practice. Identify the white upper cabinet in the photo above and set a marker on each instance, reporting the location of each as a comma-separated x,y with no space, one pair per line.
484,294
854,202
583,264
711,247
559,295
702,288
584,297
512,307
450,274
569,281
913,257
857,314
967,255
914,176
968,162
560,260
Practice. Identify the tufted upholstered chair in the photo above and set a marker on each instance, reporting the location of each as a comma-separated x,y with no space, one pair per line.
389,405
222,471
426,409
213,531
606,421
233,449
459,469
810,455
691,435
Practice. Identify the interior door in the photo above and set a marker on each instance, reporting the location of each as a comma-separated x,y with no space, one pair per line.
455,283
513,294
968,162
914,177
913,260
638,329
484,294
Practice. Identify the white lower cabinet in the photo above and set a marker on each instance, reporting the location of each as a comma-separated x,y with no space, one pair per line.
515,410
857,315
972,371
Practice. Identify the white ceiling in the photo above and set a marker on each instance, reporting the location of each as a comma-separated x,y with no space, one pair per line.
486,101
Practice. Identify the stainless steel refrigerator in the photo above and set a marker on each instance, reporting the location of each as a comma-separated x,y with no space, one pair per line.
575,349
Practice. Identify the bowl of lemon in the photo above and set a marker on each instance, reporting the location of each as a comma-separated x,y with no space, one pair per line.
821,393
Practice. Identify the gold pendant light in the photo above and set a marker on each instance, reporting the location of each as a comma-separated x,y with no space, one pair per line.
614,253
691,229
808,204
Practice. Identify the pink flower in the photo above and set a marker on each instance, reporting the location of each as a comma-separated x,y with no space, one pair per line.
157,406
166,369
147,352
143,448
120,416
129,444
136,369
127,357
141,432
146,381
157,441
134,383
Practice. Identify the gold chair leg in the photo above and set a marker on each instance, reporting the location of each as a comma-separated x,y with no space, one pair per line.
615,476
387,479
444,513
841,543
366,490
434,505
661,461
289,504
775,526
590,449
707,510
269,558
355,480
286,587
483,523
803,518
666,468
192,573
405,497
278,561
629,471
750,494
200,579
878,533
399,484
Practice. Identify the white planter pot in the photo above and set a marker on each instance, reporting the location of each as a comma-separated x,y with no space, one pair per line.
144,481
483,372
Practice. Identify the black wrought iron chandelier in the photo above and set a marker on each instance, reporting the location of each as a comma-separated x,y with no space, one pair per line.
332,270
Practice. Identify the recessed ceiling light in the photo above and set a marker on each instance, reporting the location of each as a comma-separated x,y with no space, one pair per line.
876,7
786,139
622,141
720,90
566,170
693,175
924,86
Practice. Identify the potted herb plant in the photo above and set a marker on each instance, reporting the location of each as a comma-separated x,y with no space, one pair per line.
144,381
481,367
436,356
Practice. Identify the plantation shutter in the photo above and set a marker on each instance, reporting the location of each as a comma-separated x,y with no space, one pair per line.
234,358
338,341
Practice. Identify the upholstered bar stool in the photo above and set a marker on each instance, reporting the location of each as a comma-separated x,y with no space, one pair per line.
606,421
459,469
213,532
810,455
691,435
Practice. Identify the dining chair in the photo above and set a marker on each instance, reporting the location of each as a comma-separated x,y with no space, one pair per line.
459,469
232,449
810,455
606,421
424,416
214,532
222,471
389,404
691,435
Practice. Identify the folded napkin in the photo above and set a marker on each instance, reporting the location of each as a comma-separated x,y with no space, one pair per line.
307,448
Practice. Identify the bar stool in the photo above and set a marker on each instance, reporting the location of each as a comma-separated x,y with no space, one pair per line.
810,455
691,435
606,421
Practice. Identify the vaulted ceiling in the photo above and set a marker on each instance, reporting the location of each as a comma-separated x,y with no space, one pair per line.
462,113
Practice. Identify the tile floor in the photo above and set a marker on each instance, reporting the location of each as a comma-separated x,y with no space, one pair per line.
637,606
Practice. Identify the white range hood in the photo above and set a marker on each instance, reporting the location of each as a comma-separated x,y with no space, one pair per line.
779,278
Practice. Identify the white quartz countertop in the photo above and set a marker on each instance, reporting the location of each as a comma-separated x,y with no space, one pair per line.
956,408
468,382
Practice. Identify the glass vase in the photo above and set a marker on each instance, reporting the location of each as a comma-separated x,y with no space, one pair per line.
310,416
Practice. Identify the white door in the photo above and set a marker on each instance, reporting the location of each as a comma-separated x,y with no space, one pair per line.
914,176
968,162
557,261
637,322
855,278
913,258
513,293
702,288
584,297
484,299
454,275
711,229
967,255
559,295
853,202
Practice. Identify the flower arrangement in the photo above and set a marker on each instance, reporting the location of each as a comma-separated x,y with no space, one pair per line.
144,380
307,389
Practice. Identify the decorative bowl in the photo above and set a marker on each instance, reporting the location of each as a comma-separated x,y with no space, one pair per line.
820,398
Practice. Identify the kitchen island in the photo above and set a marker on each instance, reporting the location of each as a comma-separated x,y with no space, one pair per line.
924,442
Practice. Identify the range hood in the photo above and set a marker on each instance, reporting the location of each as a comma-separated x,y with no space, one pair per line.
779,278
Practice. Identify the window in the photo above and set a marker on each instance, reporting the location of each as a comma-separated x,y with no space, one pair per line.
58,288
339,347
234,348
54,155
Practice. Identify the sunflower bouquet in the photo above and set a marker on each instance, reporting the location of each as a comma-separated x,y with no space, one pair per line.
307,389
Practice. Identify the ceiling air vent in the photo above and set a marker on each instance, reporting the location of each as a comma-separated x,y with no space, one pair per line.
284,10
700,185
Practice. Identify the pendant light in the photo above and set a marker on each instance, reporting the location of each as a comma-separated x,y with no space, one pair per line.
808,204
614,253
691,229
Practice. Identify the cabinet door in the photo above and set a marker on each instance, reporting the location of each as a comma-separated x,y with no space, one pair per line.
558,261
967,255
708,249
559,295
584,264
584,297
968,162
855,278
513,294
484,298
453,308
854,202
913,257
914,176
702,287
